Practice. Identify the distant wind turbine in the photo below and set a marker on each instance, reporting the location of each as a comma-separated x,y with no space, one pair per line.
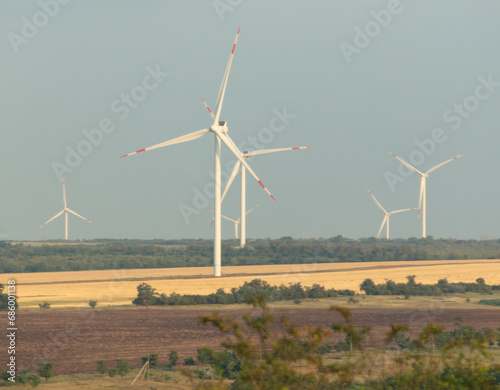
385,221
237,221
66,210
220,129
422,201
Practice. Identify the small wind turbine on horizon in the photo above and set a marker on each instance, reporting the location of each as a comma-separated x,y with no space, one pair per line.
220,130
237,221
66,210
424,175
385,221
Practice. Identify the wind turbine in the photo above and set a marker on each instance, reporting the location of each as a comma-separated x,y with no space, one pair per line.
237,221
385,221
424,175
246,155
220,129
66,210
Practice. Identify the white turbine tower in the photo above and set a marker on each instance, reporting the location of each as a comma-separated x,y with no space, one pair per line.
219,128
66,210
385,221
424,175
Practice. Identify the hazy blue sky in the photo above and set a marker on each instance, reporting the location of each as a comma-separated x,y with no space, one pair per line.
358,77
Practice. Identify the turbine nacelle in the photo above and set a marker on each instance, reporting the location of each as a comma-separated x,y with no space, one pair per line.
222,127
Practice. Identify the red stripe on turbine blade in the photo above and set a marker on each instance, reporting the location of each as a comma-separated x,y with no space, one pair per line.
295,148
239,28
125,155
274,198
142,150
234,47
262,184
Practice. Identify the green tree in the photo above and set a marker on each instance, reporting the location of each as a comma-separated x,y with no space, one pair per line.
153,359
45,370
92,303
173,357
189,361
101,367
146,295
122,367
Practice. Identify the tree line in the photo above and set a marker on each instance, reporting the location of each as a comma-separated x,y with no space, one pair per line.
148,296
411,287
132,254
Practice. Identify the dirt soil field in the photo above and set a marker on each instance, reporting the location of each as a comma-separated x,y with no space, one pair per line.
75,340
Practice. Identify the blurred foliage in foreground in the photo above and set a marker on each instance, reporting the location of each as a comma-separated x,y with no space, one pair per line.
262,353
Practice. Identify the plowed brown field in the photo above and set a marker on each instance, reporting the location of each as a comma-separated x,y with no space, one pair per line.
75,340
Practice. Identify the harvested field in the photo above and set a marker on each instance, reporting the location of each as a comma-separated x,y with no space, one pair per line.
75,340
118,287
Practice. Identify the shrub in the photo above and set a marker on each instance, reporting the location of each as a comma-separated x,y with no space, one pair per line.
296,301
44,305
92,303
101,367
112,372
491,302
26,377
153,359
205,355
189,361
173,357
122,367
45,370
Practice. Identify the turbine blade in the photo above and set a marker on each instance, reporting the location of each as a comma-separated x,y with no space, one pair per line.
178,140
79,216
266,151
252,209
233,148
382,226
51,219
443,163
231,179
64,192
377,202
222,89
405,163
227,218
208,108
400,211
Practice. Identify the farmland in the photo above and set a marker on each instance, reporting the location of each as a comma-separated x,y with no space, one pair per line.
74,336
118,287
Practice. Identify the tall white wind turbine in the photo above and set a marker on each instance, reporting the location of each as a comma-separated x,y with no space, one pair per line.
220,129
424,175
66,210
246,155
385,221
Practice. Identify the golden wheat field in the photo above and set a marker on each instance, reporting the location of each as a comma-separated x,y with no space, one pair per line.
118,287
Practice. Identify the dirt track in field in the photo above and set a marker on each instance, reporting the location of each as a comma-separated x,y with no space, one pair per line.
75,340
